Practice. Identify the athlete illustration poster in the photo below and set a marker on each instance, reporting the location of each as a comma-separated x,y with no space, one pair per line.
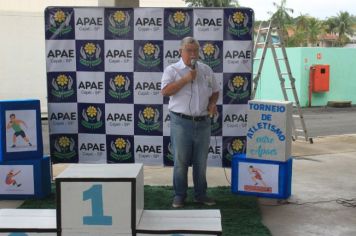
258,177
20,130
16,179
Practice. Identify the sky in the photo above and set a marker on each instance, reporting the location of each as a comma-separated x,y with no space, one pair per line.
317,8
320,9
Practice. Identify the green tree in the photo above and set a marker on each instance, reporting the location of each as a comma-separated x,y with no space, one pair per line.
281,17
344,26
330,25
302,22
300,28
212,3
307,30
315,28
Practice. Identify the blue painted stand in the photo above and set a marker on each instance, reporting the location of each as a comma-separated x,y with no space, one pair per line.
21,105
41,177
284,176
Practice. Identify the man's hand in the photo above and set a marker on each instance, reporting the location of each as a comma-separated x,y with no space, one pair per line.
212,109
175,86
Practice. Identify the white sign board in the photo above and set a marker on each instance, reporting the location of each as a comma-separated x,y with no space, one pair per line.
269,130
261,178
17,179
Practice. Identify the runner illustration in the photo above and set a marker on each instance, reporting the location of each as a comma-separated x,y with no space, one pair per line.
256,175
10,178
15,124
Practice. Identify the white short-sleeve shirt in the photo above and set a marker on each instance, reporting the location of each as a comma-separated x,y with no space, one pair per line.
193,98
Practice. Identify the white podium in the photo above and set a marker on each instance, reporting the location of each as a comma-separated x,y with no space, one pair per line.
99,199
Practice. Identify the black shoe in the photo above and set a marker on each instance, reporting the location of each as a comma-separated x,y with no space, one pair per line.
29,144
13,145
178,202
205,200
19,185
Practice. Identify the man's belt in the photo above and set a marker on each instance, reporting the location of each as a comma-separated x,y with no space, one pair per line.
193,118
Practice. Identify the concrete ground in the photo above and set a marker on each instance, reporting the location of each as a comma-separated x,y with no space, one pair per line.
322,173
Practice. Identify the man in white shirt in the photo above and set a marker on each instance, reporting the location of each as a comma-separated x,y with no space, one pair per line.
193,92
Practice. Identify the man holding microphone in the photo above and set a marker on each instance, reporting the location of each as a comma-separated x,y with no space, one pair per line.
193,92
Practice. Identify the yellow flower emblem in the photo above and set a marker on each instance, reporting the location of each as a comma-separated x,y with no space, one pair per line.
62,80
119,80
208,49
148,113
91,111
238,17
59,16
64,142
90,48
179,17
238,81
148,49
237,145
120,143
119,16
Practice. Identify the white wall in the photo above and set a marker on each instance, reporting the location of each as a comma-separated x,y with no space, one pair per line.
162,3
40,5
22,61
22,45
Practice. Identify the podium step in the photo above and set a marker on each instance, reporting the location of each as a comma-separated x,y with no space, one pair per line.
205,222
28,220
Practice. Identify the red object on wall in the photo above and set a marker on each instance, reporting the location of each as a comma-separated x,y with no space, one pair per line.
319,78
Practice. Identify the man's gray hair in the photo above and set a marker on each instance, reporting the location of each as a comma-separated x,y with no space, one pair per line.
188,40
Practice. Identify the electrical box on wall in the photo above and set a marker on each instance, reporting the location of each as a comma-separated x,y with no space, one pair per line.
319,78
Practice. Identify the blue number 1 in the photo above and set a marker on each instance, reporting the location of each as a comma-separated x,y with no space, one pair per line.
95,193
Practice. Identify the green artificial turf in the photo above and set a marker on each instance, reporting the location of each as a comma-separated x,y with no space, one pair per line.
240,214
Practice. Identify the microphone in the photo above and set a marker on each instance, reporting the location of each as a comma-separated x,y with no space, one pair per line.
193,62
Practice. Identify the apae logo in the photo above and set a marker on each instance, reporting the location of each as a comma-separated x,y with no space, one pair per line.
92,117
238,24
64,148
119,87
172,54
235,118
119,23
235,146
62,116
90,55
120,149
178,23
153,149
148,119
238,88
169,154
62,86
90,147
149,55
215,125
60,22
208,22
60,55
145,87
210,54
